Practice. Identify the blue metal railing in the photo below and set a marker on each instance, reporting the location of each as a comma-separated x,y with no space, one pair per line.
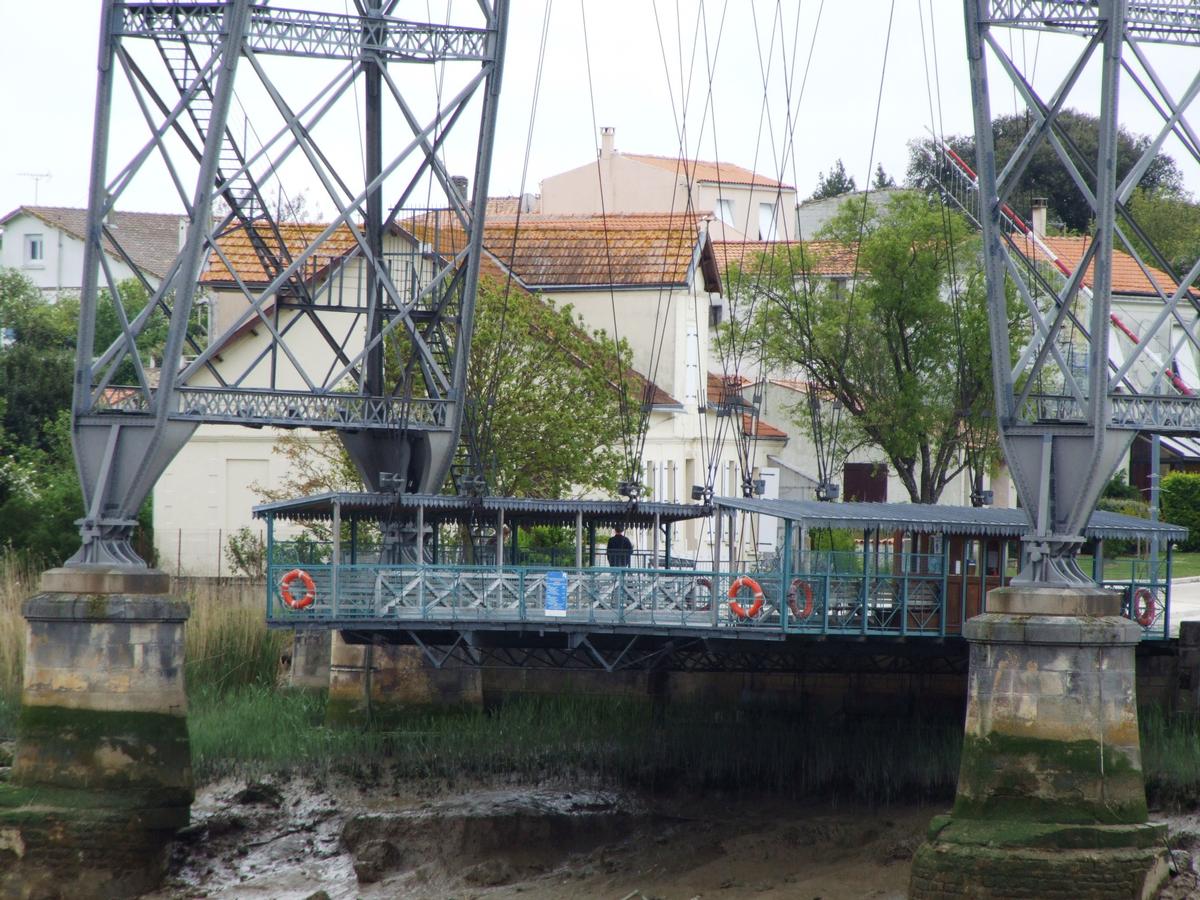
908,598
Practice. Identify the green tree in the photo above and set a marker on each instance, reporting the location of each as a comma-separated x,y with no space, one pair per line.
547,396
1171,220
553,396
1046,176
37,359
834,183
905,349
1180,499
882,180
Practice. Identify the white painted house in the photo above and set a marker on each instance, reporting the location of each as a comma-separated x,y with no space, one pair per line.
744,205
45,244
648,279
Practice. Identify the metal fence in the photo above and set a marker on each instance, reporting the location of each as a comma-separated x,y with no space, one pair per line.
918,602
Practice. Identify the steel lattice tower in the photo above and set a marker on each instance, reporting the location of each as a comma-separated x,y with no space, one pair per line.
1064,427
235,97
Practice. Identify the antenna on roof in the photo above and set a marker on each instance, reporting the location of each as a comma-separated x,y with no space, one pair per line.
38,178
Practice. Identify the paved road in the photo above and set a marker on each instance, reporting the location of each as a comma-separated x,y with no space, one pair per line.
1185,603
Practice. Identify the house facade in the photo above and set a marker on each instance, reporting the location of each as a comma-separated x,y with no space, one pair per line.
46,243
744,205
650,280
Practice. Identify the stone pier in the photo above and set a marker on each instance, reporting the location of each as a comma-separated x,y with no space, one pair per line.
102,772
372,683
1051,801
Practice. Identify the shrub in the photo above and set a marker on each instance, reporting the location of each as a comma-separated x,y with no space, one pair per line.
1180,498
247,553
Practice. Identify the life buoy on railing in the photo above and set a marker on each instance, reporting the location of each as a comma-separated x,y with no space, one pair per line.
702,604
285,589
736,608
793,592
1143,607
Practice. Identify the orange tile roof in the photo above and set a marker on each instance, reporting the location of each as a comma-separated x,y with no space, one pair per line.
634,250
238,248
699,170
1128,277
826,258
630,250
765,430
720,387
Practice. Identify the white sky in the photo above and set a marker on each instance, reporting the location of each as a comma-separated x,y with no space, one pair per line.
48,68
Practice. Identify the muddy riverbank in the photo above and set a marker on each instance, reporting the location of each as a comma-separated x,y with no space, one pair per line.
302,838
297,838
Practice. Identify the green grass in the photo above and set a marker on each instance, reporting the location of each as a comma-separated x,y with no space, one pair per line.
1183,565
256,731
1171,759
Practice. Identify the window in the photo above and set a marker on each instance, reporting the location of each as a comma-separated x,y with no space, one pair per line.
864,482
766,222
725,210
35,250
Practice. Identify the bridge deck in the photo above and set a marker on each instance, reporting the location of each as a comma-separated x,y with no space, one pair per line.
656,601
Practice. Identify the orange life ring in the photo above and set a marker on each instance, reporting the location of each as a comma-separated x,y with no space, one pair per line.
703,605
808,599
736,608
1143,607
285,589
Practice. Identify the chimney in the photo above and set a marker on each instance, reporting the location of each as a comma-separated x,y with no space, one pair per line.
461,184
606,141
1039,216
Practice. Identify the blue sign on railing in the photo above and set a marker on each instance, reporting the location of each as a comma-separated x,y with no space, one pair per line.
556,593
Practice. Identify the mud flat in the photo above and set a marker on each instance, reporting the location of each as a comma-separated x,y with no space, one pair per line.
297,838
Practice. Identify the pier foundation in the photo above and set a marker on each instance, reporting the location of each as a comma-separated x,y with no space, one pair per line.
102,773
1051,800
371,684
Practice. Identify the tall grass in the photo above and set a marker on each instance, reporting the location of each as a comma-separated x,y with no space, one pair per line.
608,740
19,576
228,645
1171,758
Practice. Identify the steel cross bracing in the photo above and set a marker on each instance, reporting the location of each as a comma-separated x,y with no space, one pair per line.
361,322
1066,422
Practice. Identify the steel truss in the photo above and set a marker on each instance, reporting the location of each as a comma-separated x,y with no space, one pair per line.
342,333
605,651
1064,429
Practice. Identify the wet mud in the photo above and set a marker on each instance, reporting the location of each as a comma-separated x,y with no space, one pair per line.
305,839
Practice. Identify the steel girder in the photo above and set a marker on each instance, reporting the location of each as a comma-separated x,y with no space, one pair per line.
1064,430
632,653
325,326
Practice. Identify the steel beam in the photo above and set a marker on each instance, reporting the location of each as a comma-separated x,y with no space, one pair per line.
1063,432
180,63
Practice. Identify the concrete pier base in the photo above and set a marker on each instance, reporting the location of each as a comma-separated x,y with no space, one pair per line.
310,660
1051,801
372,683
102,773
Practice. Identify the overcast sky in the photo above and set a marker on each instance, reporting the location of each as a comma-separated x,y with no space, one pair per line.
47,67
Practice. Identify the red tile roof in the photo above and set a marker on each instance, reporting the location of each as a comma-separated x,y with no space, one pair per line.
765,430
238,248
631,250
723,387
636,250
1128,277
702,171
826,258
